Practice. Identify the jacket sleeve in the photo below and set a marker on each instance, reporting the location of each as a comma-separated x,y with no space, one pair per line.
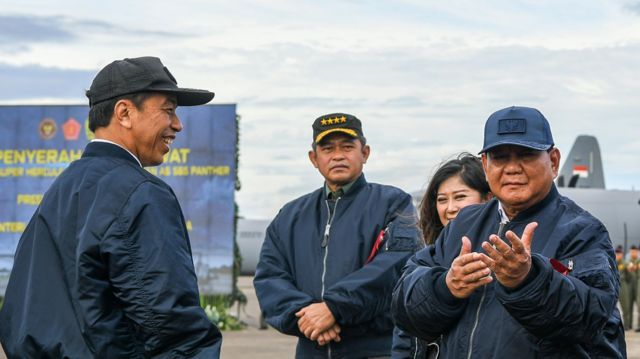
365,293
574,307
277,293
152,275
422,305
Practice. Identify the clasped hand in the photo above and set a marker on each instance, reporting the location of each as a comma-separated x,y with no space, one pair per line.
509,264
317,323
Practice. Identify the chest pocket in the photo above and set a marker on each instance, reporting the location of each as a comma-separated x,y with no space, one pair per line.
401,237
593,268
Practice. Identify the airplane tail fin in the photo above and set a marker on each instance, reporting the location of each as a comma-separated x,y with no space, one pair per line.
583,167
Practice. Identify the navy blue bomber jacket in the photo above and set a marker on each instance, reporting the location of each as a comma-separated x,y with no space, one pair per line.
104,269
550,315
295,270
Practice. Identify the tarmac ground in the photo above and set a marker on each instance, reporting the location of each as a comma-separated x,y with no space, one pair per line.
253,342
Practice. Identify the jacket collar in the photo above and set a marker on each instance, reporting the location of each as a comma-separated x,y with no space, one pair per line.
105,149
356,186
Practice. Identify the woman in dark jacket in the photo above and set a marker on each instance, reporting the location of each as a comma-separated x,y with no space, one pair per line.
457,183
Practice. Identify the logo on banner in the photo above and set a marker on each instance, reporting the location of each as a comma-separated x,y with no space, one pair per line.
47,128
71,129
581,170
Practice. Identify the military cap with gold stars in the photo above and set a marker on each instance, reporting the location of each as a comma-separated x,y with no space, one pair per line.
336,122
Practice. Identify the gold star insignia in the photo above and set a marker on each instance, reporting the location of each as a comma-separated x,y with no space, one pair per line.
330,121
343,119
323,122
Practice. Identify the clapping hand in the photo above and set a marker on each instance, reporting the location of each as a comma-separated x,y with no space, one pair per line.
510,264
468,272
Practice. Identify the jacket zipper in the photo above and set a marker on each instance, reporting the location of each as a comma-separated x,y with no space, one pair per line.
325,241
475,325
484,292
325,245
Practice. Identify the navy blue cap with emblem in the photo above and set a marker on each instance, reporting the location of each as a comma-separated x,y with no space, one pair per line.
519,126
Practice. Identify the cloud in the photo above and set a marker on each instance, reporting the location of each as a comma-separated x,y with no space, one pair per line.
333,102
304,101
27,29
33,81
633,7
21,29
101,27
419,107
421,76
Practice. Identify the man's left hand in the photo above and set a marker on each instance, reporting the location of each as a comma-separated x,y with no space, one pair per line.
315,319
510,264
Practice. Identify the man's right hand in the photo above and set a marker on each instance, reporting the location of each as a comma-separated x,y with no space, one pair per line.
468,272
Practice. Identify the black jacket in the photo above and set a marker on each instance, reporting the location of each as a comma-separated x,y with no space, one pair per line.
104,269
550,315
295,270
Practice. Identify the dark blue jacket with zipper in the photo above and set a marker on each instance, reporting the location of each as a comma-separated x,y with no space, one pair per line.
549,315
104,269
297,269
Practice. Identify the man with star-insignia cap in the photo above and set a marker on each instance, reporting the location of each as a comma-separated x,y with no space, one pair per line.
344,244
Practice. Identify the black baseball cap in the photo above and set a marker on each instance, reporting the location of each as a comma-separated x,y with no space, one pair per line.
141,74
336,122
520,126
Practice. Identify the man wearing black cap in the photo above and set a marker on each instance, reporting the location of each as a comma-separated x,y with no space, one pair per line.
528,274
104,268
331,258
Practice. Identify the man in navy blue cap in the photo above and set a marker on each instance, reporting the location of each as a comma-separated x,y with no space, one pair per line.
528,274
104,268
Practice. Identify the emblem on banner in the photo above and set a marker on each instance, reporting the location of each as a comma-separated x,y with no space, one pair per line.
71,129
47,128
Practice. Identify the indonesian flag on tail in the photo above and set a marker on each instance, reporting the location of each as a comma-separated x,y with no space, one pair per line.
581,170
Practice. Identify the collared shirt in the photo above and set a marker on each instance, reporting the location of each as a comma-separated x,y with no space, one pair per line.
503,216
340,192
113,143
504,219
332,197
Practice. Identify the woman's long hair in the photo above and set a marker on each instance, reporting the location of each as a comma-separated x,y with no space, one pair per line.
469,168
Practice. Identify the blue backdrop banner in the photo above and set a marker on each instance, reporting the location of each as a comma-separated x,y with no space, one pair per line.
38,142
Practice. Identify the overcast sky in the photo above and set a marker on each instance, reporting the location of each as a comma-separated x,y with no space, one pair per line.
423,76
